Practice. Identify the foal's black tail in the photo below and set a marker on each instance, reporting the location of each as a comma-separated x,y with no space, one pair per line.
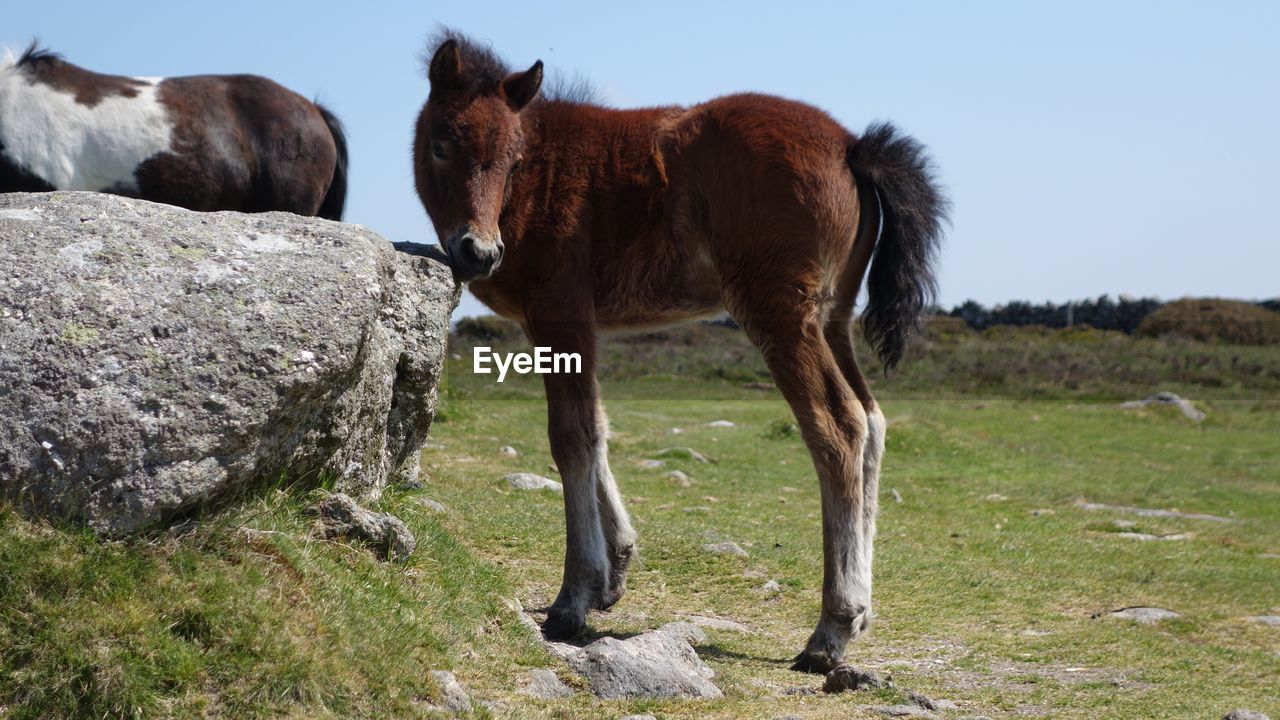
900,284
336,198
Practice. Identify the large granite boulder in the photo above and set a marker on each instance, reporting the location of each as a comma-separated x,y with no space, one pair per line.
154,359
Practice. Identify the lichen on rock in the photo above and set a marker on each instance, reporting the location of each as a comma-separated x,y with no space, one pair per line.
155,360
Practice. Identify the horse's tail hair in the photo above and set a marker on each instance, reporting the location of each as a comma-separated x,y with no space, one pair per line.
901,285
335,199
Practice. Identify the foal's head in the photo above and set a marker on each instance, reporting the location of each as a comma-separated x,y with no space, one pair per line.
467,145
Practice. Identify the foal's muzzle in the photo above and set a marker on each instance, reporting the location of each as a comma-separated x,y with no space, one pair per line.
472,255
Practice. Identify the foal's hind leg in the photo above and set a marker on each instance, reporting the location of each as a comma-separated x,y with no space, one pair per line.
834,426
838,333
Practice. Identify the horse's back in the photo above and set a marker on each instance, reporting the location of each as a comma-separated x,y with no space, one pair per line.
66,128
753,140
242,142
770,171
204,142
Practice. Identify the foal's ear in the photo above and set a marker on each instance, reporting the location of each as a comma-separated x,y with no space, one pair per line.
522,88
446,66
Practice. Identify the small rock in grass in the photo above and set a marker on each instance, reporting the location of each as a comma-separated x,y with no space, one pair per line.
921,700
650,464
726,547
721,424
532,481
684,630
770,588
526,619
340,516
995,497
716,623
1152,512
455,697
929,703
432,505
1042,512
899,711
1124,524
1170,399
1146,537
509,451
679,478
675,431
1145,615
1272,620
1243,714
659,663
683,453
543,683
847,677
897,496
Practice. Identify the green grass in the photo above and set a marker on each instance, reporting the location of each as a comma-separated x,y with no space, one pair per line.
988,602
245,616
964,584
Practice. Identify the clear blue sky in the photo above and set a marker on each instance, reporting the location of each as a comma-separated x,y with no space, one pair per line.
1089,147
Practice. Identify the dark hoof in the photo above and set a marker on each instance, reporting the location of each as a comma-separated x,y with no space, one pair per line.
817,663
562,626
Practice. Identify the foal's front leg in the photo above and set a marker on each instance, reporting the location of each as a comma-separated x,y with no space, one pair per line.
619,536
599,538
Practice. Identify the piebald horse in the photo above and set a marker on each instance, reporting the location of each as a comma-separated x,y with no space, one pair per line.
572,218
205,142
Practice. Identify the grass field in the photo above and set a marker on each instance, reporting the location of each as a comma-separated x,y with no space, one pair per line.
992,583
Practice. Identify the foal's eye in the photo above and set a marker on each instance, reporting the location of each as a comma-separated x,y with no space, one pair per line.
437,150
514,167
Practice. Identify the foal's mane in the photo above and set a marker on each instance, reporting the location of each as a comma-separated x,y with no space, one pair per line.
483,68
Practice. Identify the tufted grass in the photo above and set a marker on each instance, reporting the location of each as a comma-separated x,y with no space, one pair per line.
980,600
245,616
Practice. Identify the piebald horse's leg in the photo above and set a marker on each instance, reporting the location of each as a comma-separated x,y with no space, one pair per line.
596,525
835,429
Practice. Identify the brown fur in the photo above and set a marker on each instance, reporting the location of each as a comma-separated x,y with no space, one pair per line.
622,218
224,129
88,87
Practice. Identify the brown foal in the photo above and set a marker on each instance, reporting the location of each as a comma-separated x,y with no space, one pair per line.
571,218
